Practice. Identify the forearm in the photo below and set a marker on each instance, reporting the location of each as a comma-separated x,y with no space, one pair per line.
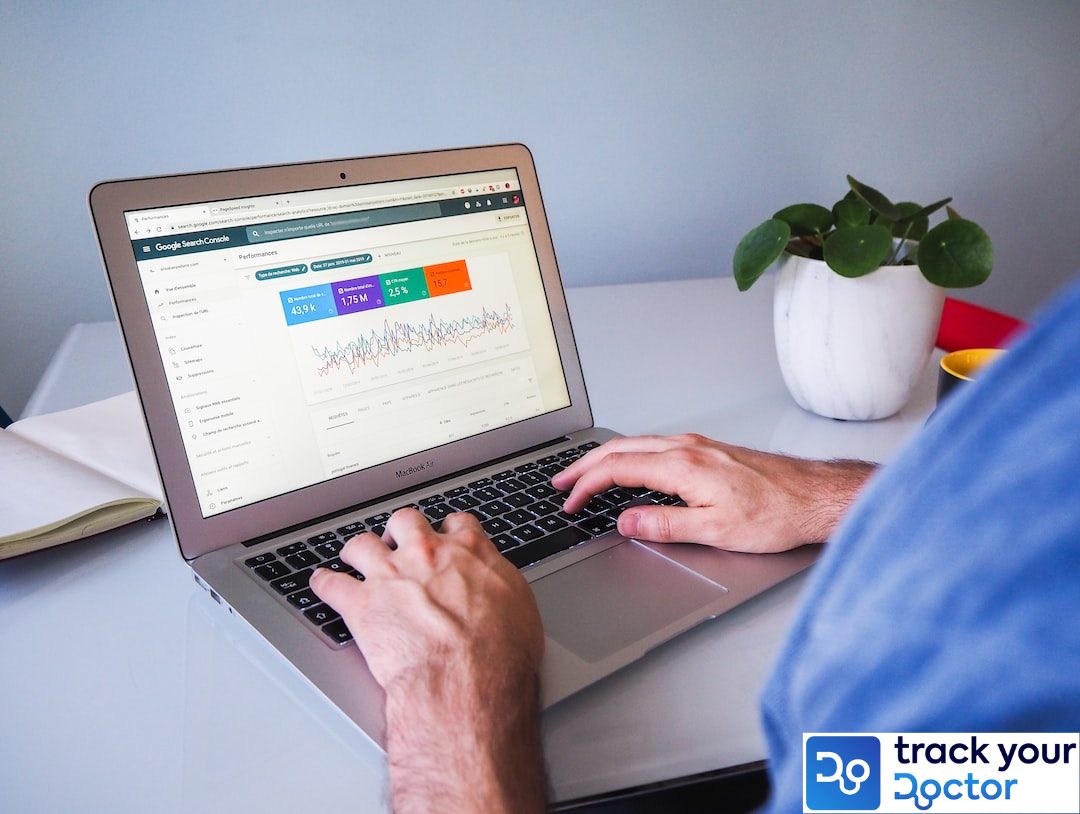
466,739
829,490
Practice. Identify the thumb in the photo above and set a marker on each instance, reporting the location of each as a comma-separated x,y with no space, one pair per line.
656,524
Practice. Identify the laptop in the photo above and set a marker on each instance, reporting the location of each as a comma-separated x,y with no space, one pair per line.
316,345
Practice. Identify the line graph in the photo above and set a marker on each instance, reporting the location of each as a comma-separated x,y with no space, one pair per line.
468,317
394,339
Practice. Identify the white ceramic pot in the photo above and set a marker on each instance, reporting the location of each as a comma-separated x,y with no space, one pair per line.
853,348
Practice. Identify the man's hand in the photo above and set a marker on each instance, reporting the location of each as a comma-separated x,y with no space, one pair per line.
738,499
451,631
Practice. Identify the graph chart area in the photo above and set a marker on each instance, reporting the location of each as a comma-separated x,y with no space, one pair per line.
356,335
426,354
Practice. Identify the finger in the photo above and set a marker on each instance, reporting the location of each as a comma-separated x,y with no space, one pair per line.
367,553
565,479
651,470
342,592
405,525
461,522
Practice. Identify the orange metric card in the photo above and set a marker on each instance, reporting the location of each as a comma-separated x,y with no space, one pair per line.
447,278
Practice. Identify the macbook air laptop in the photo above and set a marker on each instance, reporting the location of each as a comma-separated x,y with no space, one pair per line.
317,345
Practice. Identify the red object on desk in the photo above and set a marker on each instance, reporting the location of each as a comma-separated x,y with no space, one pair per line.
966,325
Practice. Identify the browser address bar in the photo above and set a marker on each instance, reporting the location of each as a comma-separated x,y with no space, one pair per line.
219,220
327,224
363,203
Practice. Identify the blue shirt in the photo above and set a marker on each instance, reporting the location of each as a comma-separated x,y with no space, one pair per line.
949,598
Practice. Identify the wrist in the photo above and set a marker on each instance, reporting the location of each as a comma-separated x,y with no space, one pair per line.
464,735
832,487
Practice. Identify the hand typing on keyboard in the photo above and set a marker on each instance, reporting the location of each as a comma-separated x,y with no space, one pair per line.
735,498
451,631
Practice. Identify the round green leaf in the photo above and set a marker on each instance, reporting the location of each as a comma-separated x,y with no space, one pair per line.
851,213
759,250
858,250
956,254
806,219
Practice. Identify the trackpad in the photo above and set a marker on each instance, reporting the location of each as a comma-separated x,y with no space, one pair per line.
611,600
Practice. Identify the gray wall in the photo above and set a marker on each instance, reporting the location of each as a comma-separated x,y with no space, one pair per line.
662,131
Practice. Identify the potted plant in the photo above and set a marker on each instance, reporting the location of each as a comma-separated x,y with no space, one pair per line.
859,293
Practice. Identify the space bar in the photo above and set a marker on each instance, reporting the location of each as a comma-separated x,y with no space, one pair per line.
535,551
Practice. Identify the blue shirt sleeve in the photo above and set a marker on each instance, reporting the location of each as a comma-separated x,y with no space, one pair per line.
949,598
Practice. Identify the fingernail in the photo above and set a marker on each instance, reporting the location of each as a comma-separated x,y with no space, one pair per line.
628,522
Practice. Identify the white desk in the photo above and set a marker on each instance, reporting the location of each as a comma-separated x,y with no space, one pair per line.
124,688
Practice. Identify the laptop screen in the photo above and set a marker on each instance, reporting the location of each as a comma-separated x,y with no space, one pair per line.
308,335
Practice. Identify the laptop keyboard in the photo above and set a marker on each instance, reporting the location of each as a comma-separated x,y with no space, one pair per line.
518,508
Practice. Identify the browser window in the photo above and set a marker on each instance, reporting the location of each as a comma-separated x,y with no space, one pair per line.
312,335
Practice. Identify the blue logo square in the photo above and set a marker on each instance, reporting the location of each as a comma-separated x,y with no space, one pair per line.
842,773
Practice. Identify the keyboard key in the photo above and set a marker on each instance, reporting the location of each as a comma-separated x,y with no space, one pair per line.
293,582
292,549
437,511
597,525
326,536
534,552
541,491
619,496
464,502
511,485
321,614
487,493
338,565
532,478
518,517
598,504
260,559
304,599
527,533
518,500
272,570
504,542
495,525
542,507
329,549
302,559
550,524
495,507
351,529
337,631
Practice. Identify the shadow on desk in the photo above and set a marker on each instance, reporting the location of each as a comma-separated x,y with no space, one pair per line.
731,791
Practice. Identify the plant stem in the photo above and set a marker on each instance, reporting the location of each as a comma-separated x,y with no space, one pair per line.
892,260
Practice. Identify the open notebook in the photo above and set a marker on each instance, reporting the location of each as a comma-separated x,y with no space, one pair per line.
315,345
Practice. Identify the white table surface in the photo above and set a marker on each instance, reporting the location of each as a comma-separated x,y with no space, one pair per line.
124,688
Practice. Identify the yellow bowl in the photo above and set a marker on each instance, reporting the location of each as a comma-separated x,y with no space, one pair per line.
963,366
